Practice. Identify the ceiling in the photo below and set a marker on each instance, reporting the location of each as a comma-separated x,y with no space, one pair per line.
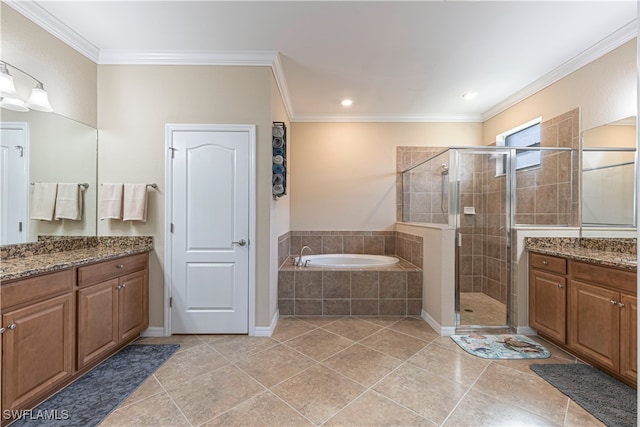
398,61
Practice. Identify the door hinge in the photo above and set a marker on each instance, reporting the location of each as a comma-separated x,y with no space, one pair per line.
20,227
170,302
171,227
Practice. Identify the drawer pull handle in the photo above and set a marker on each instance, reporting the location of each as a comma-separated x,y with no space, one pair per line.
560,285
545,262
120,266
620,304
12,326
612,302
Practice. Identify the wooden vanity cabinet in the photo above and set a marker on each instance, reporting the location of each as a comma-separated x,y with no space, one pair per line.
548,296
114,310
38,338
56,326
587,309
601,308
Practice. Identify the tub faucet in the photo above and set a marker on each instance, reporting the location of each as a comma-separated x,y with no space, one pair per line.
299,263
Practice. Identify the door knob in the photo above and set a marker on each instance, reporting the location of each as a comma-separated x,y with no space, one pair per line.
240,242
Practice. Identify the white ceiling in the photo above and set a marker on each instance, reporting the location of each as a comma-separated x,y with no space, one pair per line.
398,61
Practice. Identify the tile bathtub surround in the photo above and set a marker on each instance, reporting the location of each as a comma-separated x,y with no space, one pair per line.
614,252
394,291
23,260
405,246
369,371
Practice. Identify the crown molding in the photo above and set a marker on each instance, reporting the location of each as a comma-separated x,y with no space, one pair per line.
386,118
604,46
42,18
186,57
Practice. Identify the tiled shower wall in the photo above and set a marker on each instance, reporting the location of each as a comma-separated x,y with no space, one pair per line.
543,197
421,190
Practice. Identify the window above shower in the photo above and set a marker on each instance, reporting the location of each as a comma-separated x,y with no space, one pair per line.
525,135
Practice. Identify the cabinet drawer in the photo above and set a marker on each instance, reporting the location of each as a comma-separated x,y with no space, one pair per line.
36,288
607,276
548,263
109,269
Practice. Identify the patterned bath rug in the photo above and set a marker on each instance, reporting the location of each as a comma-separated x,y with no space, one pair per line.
501,346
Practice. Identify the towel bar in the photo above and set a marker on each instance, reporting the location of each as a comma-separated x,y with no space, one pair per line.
83,185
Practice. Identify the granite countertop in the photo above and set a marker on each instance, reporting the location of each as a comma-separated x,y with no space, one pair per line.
30,259
620,253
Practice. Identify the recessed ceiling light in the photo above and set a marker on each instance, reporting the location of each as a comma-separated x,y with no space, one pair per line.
469,95
346,102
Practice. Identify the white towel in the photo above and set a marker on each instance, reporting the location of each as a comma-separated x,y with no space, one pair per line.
134,205
43,201
69,201
110,204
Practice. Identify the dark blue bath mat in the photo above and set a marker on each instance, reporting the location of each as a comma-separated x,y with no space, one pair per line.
88,400
606,398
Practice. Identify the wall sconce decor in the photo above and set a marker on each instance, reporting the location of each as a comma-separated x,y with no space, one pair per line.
39,100
279,144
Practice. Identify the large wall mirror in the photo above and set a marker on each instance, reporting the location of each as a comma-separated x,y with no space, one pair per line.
56,149
608,175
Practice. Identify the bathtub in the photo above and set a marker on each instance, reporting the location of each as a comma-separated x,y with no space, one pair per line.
348,261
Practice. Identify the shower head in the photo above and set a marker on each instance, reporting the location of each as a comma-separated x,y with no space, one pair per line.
445,169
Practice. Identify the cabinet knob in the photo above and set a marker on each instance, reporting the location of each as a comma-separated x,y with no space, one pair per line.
560,285
120,266
2,330
545,262
612,302
12,326
124,285
620,304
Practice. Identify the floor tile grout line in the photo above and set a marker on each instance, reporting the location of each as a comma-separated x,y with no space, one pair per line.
464,394
174,402
289,405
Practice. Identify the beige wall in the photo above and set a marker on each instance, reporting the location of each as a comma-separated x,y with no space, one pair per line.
68,76
135,103
605,91
280,209
344,174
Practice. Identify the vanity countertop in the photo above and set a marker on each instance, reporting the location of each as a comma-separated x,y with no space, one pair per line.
620,253
30,259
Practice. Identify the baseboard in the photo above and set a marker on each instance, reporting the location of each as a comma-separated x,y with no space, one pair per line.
443,331
267,331
526,330
153,331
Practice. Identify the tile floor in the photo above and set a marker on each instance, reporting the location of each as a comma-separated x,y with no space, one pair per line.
485,310
344,371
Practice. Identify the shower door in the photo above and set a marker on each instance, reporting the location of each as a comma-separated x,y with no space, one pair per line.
481,207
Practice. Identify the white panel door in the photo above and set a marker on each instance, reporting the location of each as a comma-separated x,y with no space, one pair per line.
210,211
13,184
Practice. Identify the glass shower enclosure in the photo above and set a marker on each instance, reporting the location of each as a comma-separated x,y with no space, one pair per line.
483,193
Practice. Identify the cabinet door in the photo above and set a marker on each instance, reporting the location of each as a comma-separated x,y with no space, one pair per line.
133,302
38,352
97,321
628,337
594,323
547,304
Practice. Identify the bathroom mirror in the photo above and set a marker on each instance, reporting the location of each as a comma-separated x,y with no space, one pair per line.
56,149
608,175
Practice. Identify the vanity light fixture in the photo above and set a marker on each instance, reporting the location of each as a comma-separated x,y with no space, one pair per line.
39,100
469,95
346,102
